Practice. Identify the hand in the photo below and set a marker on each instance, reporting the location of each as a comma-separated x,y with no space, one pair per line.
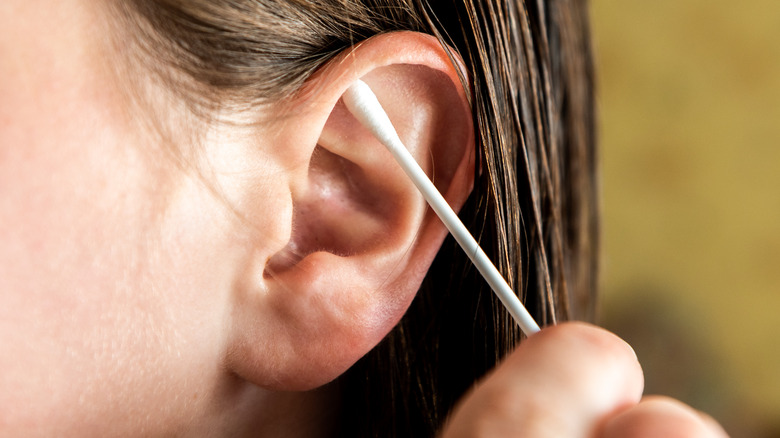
573,380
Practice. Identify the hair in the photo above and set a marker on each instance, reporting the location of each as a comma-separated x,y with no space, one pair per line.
534,206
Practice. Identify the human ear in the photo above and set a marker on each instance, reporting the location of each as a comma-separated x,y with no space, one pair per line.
359,237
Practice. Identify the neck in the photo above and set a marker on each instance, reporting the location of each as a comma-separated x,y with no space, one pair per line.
250,411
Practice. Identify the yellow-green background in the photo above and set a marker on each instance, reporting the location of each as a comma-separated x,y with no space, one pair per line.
689,98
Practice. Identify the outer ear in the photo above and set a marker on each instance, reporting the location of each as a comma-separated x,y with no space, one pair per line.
361,237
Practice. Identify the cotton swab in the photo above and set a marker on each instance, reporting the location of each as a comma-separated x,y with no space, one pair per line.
364,105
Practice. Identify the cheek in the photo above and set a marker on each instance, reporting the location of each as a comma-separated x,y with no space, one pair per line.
111,312
99,304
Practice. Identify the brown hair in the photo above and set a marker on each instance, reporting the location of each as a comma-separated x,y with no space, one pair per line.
534,205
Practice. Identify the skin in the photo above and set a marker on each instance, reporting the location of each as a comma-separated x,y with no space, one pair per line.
145,298
93,281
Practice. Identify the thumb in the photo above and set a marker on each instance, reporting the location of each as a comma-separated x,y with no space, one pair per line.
560,382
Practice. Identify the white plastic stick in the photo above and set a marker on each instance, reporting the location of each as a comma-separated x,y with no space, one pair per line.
363,104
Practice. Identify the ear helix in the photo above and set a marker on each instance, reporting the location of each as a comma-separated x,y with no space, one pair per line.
363,104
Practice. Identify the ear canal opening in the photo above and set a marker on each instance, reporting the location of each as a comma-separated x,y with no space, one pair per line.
340,211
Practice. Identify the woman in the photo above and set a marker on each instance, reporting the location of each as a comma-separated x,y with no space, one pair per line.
200,240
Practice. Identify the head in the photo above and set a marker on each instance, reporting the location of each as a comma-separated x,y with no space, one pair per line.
198,237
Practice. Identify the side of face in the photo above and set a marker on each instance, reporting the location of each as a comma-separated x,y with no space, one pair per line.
140,295
108,304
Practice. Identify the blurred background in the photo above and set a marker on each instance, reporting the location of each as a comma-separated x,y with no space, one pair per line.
689,98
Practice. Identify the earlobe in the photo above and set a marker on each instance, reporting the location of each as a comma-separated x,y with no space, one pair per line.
361,236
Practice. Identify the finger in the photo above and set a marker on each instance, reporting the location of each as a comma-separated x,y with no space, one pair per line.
559,383
661,417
